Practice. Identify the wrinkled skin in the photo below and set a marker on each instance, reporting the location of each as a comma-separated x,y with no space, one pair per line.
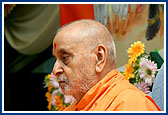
75,63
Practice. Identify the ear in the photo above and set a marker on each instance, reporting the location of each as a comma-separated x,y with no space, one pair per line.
101,54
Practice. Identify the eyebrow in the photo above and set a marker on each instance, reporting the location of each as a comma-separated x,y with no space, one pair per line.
61,50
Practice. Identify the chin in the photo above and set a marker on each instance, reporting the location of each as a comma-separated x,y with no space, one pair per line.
68,93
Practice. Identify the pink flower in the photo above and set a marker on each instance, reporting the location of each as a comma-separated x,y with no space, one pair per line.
143,87
53,95
53,81
69,99
147,71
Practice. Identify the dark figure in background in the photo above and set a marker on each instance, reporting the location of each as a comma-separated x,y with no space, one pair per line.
153,21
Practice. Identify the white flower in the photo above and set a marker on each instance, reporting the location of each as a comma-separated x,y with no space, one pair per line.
69,99
53,81
147,71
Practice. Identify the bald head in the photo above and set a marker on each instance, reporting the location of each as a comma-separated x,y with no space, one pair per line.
91,33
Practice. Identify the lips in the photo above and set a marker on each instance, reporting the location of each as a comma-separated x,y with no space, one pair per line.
62,79
61,82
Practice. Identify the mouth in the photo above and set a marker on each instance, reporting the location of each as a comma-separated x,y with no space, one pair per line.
61,82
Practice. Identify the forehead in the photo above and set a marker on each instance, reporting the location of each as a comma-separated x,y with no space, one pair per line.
67,40
64,38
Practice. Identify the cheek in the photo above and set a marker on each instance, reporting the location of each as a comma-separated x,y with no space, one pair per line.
80,72
75,80
80,79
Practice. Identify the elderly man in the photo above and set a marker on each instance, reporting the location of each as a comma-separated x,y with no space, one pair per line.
85,68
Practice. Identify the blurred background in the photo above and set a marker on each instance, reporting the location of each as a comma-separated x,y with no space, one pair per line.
30,28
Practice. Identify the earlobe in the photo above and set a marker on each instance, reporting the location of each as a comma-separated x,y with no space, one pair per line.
98,69
101,54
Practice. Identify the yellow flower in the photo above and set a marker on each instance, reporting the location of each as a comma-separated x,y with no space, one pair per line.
49,76
59,104
136,49
49,98
132,60
49,87
48,95
49,106
128,73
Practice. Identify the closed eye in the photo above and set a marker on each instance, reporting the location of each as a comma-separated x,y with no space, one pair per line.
65,59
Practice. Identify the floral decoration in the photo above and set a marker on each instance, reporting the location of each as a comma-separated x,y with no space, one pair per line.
57,101
141,69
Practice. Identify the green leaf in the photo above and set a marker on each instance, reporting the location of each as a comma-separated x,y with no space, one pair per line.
67,104
121,72
46,78
156,73
155,56
132,80
53,89
156,50
135,72
58,94
137,61
139,57
136,68
139,78
62,97
53,108
45,84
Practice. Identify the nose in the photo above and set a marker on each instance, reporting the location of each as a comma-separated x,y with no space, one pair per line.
57,69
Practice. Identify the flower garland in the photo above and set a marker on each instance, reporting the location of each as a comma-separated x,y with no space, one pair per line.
57,101
141,71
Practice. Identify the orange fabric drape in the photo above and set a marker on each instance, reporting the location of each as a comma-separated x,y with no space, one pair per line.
113,93
71,12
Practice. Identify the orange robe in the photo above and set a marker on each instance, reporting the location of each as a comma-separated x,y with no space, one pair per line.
113,93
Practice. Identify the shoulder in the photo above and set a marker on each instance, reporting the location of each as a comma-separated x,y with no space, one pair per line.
133,100
132,95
